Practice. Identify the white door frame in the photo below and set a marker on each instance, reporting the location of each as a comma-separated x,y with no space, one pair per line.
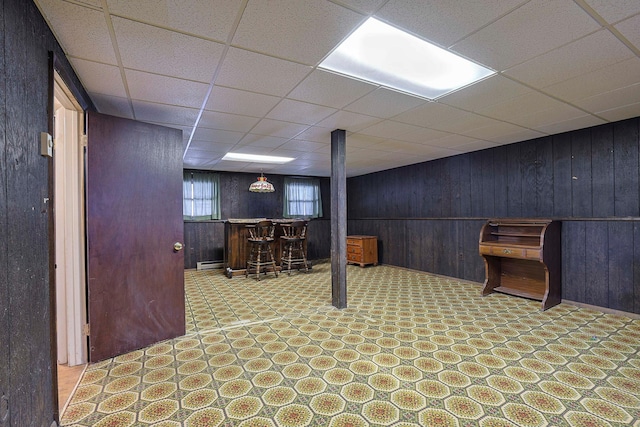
69,223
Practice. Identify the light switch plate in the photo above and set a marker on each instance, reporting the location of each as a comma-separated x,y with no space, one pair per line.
46,144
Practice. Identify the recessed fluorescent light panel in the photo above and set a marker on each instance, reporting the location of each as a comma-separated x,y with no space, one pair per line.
382,54
240,157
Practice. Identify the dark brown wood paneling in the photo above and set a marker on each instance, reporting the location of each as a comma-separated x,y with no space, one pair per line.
318,241
544,178
597,263
473,266
562,175
427,245
500,173
636,267
625,158
465,186
29,402
5,322
528,157
581,174
487,181
514,181
203,241
573,260
27,388
602,185
477,192
621,285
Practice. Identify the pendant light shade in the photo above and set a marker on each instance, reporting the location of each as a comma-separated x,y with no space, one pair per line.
261,186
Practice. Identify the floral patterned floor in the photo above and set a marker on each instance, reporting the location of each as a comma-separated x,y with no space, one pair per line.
412,349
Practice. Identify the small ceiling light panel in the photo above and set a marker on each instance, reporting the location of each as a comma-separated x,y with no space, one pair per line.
385,55
255,158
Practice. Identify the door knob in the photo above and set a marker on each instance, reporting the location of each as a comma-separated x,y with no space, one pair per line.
177,246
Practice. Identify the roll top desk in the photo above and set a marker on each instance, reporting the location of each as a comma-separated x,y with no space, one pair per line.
522,257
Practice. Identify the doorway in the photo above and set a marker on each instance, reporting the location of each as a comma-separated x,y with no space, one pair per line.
69,224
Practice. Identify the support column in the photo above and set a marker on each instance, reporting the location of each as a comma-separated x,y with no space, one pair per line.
338,219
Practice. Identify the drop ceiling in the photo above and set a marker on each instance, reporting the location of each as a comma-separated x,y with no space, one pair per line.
242,76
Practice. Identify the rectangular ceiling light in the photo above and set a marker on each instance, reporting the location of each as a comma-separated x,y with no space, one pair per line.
379,53
255,158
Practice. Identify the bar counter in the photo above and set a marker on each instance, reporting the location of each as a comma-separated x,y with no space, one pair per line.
236,250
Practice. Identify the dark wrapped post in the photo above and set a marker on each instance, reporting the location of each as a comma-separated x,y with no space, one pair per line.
338,219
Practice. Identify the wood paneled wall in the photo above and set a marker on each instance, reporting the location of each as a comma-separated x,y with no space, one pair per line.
204,241
27,364
428,216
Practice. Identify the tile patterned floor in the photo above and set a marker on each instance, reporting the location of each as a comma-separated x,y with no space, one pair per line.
412,349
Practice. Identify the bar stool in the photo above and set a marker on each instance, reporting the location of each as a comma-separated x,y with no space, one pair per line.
260,240
292,243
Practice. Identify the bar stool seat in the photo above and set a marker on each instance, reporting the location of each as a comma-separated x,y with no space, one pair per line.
292,243
260,241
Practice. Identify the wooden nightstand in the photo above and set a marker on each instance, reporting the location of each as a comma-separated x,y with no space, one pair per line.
362,250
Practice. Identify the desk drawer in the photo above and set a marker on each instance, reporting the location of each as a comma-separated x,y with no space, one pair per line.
510,251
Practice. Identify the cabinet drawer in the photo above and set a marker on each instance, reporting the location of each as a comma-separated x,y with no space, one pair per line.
357,242
354,257
354,249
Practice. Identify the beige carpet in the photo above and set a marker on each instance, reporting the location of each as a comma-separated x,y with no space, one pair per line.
412,349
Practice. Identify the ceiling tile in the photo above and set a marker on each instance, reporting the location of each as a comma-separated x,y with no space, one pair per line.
451,141
476,146
436,115
590,53
384,103
608,100
444,22
571,124
303,30
211,19
300,112
224,121
325,88
489,91
236,101
389,129
300,145
519,106
145,87
606,79
261,141
112,105
614,11
217,147
170,114
631,30
351,122
423,135
533,29
363,141
260,73
621,113
155,50
500,132
363,6
86,36
110,81
278,128
217,135
316,134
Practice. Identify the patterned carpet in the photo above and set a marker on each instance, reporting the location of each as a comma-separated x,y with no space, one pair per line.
412,349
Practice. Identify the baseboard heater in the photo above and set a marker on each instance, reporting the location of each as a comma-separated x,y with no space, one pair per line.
209,265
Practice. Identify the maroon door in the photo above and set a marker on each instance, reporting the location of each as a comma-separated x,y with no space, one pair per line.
134,217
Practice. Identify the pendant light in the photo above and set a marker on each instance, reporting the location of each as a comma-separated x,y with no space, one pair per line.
261,185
